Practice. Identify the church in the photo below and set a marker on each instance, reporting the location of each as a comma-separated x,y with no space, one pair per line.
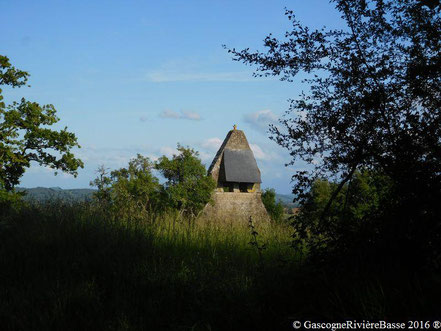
237,195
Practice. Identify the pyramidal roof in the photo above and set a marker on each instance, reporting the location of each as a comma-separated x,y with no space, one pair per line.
234,161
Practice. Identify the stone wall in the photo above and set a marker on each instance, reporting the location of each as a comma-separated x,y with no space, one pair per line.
235,207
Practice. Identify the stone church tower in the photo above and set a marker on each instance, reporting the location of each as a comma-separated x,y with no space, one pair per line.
237,195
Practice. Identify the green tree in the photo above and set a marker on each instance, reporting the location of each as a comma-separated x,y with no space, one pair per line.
25,135
374,91
188,188
373,103
273,207
103,184
352,216
131,193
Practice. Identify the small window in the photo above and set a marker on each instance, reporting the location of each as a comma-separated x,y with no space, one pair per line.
229,187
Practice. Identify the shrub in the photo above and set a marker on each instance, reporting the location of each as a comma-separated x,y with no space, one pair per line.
274,209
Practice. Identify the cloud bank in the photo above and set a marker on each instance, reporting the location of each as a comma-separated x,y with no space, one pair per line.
212,144
260,120
183,115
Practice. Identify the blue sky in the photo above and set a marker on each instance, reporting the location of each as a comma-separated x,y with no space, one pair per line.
132,77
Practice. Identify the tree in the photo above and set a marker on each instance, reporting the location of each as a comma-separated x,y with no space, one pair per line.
273,207
188,188
374,104
134,193
129,193
25,136
103,184
353,213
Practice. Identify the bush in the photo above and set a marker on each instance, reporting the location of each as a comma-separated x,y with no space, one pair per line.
131,193
274,209
188,188
134,193
353,219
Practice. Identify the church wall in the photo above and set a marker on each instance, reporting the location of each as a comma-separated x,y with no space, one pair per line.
236,207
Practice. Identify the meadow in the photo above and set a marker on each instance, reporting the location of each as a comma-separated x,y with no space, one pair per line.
72,267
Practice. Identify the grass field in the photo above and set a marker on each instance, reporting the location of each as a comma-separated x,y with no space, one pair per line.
70,268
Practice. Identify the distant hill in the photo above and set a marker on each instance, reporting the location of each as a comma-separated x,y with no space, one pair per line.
56,193
286,200
82,194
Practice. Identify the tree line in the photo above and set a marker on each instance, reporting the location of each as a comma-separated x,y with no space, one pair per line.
369,123
135,191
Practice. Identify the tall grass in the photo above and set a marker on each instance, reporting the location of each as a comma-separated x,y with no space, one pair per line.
71,267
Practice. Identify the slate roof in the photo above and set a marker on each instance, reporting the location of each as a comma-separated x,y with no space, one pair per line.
240,166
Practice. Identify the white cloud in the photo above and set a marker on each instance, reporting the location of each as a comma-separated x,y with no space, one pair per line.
260,120
178,76
118,157
36,169
111,157
167,113
198,69
259,153
168,151
206,157
190,115
212,144
183,115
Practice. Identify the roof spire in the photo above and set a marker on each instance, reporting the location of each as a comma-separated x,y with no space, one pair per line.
234,126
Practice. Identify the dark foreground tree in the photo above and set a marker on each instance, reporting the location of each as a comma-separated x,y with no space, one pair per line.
352,216
374,103
25,135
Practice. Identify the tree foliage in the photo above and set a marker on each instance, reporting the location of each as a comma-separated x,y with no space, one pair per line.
188,188
273,207
26,136
373,103
374,90
135,192
354,213
128,193
103,184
